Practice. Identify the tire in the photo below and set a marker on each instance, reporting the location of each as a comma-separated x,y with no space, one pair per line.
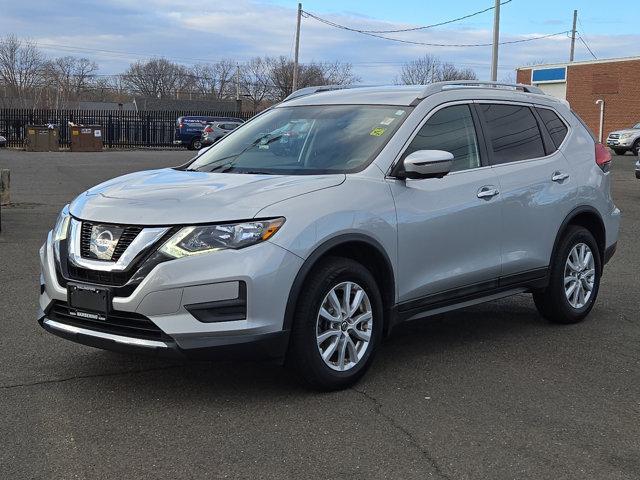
555,303
619,151
304,356
636,148
196,144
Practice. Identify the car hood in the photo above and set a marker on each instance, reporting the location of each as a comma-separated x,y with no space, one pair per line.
628,130
172,197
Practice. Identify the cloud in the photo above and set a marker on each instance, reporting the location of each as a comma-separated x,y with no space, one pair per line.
194,32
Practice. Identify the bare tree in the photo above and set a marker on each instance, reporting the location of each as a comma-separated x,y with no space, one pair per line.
255,80
69,76
21,66
157,78
429,69
311,74
213,80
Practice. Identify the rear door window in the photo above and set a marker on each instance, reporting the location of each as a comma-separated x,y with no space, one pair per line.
556,127
512,132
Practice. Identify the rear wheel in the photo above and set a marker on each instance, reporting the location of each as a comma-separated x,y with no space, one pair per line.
337,326
574,279
636,148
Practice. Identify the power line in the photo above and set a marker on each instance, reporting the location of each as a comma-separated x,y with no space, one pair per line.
584,40
428,44
446,22
587,47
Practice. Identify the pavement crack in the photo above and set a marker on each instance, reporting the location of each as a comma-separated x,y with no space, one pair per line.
82,377
412,440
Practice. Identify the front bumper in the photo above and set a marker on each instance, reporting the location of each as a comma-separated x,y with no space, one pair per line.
260,346
184,300
620,143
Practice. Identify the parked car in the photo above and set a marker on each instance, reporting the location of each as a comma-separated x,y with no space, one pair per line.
216,130
189,129
3,141
622,141
397,203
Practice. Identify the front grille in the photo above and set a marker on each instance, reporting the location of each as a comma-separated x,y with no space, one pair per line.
126,324
114,279
128,235
614,135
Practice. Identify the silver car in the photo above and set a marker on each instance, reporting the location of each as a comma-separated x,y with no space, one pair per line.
216,130
622,141
312,230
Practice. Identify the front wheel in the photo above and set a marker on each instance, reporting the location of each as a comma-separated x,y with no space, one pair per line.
196,144
337,326
574,279
619,151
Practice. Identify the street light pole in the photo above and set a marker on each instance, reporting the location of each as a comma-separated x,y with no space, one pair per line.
496,40
294,85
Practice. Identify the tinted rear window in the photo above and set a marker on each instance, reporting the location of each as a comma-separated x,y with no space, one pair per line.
513,132
556,127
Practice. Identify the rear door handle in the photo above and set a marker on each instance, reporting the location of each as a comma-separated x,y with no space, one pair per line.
559,176
488,191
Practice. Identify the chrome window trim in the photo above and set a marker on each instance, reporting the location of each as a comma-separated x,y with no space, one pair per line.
146,238
106,336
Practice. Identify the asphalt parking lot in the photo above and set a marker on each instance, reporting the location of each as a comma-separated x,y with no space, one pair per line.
490,392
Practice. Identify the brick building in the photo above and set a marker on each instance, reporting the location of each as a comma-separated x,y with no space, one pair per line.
616,81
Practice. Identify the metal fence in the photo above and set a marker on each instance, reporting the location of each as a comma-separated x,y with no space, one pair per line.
121,128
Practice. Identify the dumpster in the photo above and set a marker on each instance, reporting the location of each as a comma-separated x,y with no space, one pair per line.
86,138
41,138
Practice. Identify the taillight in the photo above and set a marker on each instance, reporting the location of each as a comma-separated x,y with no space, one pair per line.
181,125
603,156
208,129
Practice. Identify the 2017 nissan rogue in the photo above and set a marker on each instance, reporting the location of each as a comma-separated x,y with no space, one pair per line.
388,204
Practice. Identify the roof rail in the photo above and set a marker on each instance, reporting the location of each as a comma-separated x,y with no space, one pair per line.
303,92
453,84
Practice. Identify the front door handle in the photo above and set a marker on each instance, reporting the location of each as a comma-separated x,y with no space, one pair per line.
488,191
559,176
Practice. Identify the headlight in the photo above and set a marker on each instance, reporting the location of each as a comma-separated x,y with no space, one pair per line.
626,135
209,238
62,225
60,230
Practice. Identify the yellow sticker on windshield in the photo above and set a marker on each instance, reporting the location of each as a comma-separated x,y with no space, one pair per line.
377,132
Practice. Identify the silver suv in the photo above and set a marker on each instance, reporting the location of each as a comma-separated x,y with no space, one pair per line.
312,230
216,130
622,141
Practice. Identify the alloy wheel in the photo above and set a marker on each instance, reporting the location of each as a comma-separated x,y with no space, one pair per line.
344,326
579,275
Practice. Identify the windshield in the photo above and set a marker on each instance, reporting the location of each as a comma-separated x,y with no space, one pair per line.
636,126
304,140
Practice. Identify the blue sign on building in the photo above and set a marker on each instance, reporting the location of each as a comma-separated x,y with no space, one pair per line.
558,74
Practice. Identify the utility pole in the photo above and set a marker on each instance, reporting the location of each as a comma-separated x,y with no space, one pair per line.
294,85
573,35
237,82
238,102
496,40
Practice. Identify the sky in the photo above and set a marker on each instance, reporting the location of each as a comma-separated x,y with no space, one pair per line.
115,33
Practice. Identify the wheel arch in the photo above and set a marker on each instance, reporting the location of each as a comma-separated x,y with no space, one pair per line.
362,248
588,217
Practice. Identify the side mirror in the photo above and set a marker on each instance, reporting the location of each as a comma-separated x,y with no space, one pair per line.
427,164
